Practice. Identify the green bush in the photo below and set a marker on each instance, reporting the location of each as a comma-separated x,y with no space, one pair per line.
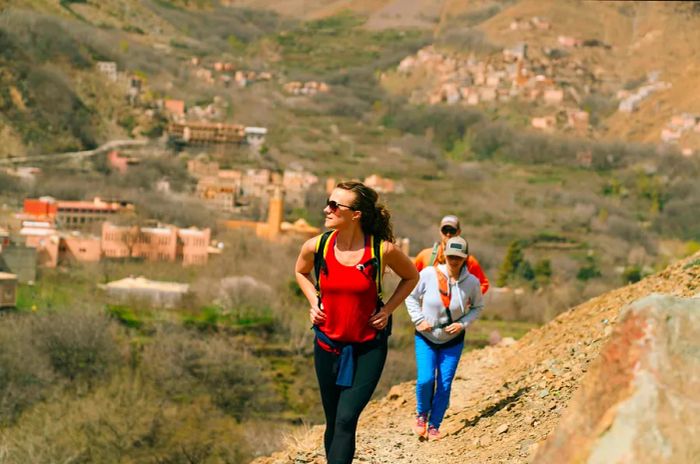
515,267
589,270
126,315
631,274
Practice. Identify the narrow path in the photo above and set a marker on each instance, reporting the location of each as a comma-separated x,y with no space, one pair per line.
111,145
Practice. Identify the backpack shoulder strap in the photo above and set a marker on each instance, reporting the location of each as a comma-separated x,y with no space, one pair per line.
320,256
445,292
378,256
433,256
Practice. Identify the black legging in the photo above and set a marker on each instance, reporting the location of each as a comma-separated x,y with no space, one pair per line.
343,405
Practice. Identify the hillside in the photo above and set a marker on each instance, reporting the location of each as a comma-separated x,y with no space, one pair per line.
507,400
615,48
589,208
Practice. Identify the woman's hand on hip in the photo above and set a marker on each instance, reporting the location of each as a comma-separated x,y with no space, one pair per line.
380,320
454,328
316,315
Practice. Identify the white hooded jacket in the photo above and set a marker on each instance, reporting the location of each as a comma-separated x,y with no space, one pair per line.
424,302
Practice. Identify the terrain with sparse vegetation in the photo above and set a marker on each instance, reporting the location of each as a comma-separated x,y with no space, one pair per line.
231,364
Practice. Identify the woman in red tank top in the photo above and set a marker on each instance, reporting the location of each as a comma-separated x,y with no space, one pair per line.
348,322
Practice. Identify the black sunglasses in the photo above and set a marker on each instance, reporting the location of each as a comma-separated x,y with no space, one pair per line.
334,205
448,230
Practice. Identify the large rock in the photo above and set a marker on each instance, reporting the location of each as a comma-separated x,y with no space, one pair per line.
640,400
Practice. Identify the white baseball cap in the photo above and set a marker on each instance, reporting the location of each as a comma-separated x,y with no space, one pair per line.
457,246
450,220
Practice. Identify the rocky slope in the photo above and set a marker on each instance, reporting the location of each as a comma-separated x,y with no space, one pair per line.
508,400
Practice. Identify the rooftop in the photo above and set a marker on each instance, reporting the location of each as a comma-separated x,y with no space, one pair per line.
7,276
141,283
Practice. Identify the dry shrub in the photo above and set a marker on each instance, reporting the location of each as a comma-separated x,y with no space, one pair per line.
125,421
25,373
185,365
303,440
243,291
80,345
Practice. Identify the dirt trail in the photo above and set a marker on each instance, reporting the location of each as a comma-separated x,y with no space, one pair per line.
505,400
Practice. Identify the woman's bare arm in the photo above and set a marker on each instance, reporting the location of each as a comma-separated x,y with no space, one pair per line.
302,272
398,262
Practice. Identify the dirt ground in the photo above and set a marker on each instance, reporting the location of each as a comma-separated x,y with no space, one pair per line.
506,400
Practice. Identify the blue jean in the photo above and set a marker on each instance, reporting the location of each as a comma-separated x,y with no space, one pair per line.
436,368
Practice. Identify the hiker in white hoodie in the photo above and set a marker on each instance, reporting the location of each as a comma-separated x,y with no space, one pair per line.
446,300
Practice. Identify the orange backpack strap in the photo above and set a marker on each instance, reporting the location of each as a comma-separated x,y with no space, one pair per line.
445,292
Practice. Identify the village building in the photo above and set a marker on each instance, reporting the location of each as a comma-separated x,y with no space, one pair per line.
204,75
568,41
120,163
54,247
206,132
274,229
163,185
8,290
544,123
256,183
380,184
553,96
296,184
199,167
679,127
74,214
160,243
25,173
108,69
305,88
75,247
219,193
155,293
175,108
19,260
4,238
578,120
44,238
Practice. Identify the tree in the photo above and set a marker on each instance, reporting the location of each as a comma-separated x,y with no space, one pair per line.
589,270
543,271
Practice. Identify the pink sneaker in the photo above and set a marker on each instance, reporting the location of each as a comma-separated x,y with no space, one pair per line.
421,426
434,433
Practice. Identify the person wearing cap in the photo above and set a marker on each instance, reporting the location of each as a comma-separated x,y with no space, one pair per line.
449,227
443,304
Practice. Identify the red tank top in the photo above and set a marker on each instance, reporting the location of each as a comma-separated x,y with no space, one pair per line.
349,298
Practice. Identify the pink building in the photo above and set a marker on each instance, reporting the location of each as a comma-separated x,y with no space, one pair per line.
80,248
193,246
199,168
380,184
42,236
117,162
162,243
176,108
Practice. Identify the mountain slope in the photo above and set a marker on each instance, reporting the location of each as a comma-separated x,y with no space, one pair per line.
505,400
